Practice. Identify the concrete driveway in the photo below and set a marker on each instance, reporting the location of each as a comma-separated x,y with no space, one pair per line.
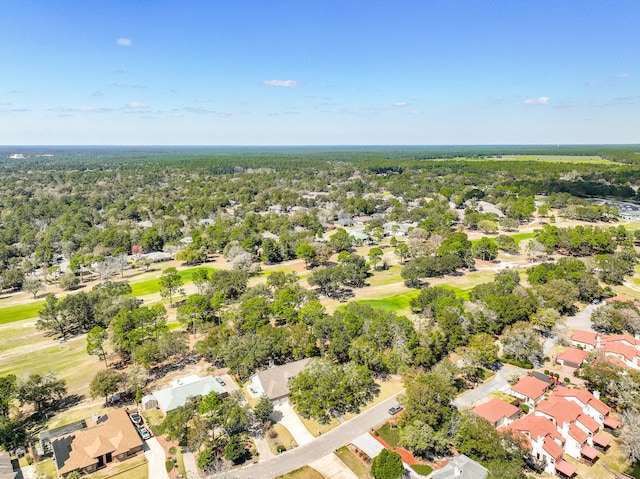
155,459
499,382
294,425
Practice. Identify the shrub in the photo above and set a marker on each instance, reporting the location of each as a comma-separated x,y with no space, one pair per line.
567,380
280,448
525,408
546,371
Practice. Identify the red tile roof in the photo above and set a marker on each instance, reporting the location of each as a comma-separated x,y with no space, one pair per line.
589,452
578,434
559,408
530,387
601,440
553,448
629,352
565,468
588,422
585,397
620,337
495,410
573,355
619,299
535,426
586,337
611,422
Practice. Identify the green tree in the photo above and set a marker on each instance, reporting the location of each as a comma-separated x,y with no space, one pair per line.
40,390
422,440
105,383
170,283
375,256
387,465
32,286
325,390
96,339
263,410
485,248
235,450
402,252
340,240
206,460
69,281
7,393
175,424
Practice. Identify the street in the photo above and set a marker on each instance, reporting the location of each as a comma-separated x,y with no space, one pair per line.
320,447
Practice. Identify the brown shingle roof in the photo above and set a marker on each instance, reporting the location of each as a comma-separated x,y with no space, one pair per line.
113,433
275,380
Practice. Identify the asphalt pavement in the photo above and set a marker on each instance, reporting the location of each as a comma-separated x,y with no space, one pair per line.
320,447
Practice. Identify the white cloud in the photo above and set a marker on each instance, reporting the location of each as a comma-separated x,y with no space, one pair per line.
97,93
623,75
400,103
81,109
202,100
283,83
129,85
123,42
134,105
543,100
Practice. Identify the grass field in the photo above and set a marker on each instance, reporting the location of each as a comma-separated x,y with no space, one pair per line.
151,286
66,360
555,158
391,435
19,312
19,334
305,472
389,276
353,463
522,236
398,303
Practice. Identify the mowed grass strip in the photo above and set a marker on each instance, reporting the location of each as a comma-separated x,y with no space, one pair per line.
19,312
400,303
151,286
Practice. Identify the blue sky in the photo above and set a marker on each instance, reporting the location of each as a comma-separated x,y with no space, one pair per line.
314,72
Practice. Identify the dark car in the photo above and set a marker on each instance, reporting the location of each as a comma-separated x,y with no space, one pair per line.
220,382
144,433
395,409
136,418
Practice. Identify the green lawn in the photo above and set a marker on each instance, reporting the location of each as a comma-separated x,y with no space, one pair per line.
597,160
304,472
19,312
389,276
389,434
353,462
522,236
151,286
422,469
398,303
460,293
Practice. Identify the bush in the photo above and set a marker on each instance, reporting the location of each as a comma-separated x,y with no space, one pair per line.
567,380
525,408
170,464
546,371
280,448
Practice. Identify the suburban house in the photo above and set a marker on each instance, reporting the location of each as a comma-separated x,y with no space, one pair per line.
577,429
497,412
623,347
181,390
590,404
273,382
587,340
460,467
107,438
572,357
529,389
545,442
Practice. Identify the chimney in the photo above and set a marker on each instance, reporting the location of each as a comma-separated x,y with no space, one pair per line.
596,394
95,417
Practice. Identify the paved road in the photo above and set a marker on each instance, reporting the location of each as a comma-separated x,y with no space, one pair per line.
156,460
501,379
320,447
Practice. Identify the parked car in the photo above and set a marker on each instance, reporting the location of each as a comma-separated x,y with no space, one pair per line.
136,418
395,409
144,433
220,382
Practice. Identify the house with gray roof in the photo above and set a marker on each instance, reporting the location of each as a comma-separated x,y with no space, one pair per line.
182,389
273,382
461,467
7,470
